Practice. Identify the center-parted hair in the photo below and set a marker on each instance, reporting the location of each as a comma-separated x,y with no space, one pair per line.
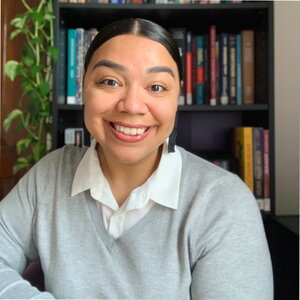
138,27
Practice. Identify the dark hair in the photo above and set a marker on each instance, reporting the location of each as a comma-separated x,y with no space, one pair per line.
139,27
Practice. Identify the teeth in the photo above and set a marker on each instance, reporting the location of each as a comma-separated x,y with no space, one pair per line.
129,131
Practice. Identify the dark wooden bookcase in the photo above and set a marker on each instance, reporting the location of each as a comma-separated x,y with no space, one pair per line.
201,129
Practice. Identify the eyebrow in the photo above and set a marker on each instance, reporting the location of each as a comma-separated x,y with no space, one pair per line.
109,64
116,66
160,69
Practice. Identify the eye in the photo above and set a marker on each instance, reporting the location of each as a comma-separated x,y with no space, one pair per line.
157,88
108,82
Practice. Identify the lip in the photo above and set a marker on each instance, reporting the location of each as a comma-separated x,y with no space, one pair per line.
128,138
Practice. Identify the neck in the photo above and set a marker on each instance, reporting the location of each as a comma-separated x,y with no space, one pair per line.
124,178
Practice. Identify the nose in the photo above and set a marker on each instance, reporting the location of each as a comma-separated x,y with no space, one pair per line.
133,101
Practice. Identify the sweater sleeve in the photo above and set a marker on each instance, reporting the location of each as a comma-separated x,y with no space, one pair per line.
17,247
233,261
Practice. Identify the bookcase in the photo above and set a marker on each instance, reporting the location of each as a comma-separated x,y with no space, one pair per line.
202,129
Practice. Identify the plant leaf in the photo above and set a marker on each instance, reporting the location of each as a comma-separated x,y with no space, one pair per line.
16,113
37,16
44,88
11,69
38,151
46,112
53,52
19,21
22,145
21,163
34,106
16,32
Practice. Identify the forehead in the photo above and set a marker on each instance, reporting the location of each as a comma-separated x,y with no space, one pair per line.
131,48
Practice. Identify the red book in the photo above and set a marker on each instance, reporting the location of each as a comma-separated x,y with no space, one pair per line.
212,39
189,62
267,200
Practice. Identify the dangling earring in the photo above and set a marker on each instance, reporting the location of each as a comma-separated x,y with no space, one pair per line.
172,137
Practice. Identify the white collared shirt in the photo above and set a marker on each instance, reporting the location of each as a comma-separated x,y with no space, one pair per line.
118,219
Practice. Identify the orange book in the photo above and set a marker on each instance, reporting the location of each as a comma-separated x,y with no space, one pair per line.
243,151
248,66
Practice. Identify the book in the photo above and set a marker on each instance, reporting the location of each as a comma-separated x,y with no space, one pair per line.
232,68
218,69
71,66
80,33
188,70
200,71
74,136
212,40
243,151
206,62
261,60
258,165
194,68
267,200
62,82
239,88
224,96
248,66
179,35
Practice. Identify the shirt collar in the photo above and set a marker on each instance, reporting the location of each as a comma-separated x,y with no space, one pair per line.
89,176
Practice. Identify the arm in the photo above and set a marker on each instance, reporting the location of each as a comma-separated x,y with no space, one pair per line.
234,262
17,212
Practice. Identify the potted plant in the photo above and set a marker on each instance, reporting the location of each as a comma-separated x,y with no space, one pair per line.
35,70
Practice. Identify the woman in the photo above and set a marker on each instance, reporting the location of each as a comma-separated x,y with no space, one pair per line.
133,216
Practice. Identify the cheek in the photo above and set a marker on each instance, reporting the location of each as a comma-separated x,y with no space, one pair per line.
95,101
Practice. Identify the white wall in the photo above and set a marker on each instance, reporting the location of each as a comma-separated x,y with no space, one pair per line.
287,105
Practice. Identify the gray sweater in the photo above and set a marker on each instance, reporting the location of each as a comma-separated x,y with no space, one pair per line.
212,247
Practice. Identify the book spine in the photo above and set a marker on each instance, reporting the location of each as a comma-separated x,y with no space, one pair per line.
244,153
224,98
218,69
267,200
188,59
248,66
194,68
179,35
261,60
239,96
71,68
212,39
61,99
80,32
200,71
232,69
206,68
258,165
74,136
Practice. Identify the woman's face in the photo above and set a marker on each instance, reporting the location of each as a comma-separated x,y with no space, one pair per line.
131,90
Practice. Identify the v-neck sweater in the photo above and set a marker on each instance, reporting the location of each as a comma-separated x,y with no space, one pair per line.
212,247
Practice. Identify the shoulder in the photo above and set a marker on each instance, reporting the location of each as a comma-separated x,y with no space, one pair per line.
213,187
57,165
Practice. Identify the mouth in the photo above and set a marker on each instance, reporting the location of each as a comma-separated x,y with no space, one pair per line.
130,131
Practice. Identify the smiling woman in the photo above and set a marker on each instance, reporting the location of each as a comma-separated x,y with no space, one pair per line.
133,216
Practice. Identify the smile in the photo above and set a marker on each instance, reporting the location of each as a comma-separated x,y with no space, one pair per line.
131,131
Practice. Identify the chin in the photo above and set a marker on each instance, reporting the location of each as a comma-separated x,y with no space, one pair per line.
130,156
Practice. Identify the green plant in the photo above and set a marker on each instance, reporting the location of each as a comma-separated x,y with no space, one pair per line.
35,70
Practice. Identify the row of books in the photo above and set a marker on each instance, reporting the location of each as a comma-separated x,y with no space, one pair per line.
250,146
73,44
219,69
152,1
